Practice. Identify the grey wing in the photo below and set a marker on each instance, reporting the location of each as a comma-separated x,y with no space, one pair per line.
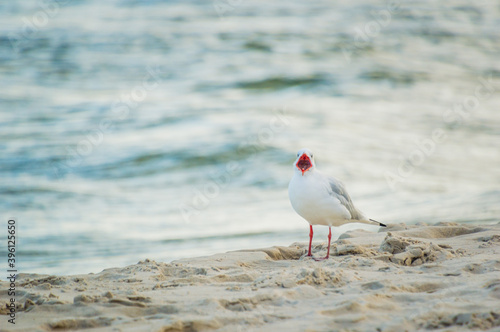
338,191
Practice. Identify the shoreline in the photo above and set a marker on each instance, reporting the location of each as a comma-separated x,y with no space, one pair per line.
405,277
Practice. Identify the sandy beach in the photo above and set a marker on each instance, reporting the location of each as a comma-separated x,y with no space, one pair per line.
443,277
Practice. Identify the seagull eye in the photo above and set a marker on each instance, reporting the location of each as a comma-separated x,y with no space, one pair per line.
297,154
311,156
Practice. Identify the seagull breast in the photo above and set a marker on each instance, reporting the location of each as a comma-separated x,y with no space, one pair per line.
312,198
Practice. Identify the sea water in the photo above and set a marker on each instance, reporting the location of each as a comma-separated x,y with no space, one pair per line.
168,129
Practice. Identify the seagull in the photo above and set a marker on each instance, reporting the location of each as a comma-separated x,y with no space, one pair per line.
320,199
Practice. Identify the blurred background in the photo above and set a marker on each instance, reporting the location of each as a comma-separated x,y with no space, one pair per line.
166,129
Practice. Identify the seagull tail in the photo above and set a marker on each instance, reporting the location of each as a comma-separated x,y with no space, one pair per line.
379,223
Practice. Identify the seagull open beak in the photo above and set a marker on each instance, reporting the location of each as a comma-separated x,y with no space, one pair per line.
304,163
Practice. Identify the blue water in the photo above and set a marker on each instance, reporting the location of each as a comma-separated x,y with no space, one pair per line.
167,129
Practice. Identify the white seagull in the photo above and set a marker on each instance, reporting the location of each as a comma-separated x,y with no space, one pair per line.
320,199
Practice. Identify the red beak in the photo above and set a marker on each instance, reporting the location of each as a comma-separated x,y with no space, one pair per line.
304,163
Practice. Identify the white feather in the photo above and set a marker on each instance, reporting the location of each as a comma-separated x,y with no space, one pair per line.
321,200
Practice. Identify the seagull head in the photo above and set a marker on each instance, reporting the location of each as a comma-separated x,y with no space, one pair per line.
305,161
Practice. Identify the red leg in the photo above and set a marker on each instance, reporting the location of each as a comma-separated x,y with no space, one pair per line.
310,239
329,239
328,250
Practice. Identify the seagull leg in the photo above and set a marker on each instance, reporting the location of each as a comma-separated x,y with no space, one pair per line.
310,239
329,239
328,250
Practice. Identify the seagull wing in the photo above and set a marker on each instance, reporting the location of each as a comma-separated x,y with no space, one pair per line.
338,191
